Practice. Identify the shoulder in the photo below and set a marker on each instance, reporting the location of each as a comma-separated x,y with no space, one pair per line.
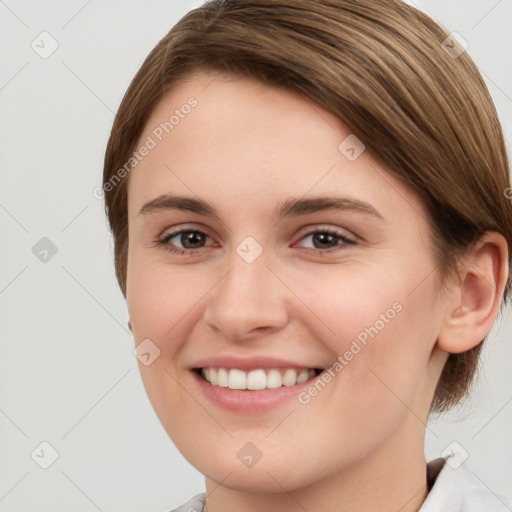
196,504
455,488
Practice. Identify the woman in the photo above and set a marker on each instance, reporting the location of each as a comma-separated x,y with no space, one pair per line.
308,203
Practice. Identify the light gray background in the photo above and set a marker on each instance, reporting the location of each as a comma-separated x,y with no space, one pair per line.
67,372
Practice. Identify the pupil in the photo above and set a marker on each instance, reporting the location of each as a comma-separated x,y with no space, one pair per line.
191,237
324,238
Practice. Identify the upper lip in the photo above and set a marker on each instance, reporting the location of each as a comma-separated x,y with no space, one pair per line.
247,364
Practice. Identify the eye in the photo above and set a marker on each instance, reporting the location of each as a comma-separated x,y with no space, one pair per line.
190,239
326,239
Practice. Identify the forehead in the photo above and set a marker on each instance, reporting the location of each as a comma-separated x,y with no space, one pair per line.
236,141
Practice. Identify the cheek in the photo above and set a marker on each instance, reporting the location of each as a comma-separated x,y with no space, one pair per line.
158,301
160,306
358,303
380,330
164,304
160,297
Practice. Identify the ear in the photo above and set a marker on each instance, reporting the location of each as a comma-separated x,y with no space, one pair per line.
479,294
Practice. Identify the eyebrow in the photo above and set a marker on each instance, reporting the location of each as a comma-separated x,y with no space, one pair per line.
288,208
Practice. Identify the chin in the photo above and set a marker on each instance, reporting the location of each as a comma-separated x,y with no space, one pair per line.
268,479
269,475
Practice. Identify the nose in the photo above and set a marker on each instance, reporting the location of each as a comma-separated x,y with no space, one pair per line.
248,302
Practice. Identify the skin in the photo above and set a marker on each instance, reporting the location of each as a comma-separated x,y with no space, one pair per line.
359,444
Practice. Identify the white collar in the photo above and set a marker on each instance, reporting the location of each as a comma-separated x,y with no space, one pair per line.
455,488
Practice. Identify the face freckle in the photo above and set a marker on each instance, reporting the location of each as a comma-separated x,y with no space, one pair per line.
270,287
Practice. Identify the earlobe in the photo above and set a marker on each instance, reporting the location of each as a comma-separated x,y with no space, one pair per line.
482,283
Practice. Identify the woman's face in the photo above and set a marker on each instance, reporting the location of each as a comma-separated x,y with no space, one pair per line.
290,250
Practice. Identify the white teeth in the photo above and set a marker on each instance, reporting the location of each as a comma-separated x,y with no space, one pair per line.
289,378
255,379
302,376
274,379
222,377
237,379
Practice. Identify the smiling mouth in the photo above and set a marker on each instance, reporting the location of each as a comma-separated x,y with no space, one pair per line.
257,379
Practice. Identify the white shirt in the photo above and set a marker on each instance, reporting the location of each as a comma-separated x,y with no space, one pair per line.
457,489
453,488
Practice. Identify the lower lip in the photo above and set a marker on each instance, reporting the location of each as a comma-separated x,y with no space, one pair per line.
250,401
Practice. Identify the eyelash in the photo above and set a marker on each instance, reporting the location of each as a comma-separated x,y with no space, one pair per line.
164,242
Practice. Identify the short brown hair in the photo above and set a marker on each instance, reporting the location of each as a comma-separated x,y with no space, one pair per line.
381,67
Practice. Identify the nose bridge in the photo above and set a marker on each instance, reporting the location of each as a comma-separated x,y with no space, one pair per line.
248,297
